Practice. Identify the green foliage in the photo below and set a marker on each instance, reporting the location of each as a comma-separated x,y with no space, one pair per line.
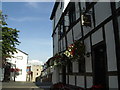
9,39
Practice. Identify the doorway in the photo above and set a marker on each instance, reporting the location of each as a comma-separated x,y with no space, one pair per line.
99,64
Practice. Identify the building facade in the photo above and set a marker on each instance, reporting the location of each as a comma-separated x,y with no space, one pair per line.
18,64
97,26
34,70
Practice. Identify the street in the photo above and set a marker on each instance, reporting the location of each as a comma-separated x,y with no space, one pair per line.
22,86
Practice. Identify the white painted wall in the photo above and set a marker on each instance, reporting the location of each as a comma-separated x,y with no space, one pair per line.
58,13
60,78
77,10
88,62
102,11
89,81
69,37
55,75
77,31
20,61
111,54
87,45
117,4
75,66
64,44
71,80
97,36
80,81
113,82
55,37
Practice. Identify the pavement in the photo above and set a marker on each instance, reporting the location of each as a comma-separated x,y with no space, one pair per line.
25,86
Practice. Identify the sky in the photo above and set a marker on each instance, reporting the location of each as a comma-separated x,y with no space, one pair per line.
32,19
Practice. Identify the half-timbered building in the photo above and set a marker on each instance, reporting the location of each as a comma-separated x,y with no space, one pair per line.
96,25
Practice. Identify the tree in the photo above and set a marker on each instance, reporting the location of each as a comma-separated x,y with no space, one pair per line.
8,41
9,38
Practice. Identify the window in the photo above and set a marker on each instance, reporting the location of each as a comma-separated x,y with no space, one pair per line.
37,74
72,16
37,69
19,57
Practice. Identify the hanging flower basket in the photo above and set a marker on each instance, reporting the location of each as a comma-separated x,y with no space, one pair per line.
14,70
59,60
75,50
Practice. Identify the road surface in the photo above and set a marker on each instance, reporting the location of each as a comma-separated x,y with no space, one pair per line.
20,86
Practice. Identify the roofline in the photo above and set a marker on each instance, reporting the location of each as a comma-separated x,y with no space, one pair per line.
22,51
54,10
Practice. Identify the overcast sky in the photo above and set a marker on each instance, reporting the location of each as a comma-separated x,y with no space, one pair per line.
33,21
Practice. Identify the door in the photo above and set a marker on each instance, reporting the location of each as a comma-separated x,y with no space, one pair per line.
99,64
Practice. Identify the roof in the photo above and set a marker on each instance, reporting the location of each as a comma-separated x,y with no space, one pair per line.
22,51
54,10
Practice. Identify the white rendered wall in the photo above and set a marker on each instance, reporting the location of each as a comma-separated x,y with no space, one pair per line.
20,61
102,12
21,64
97,36
71,80
75,66
117,5
77,10
58,13
80,81
89,81
55,75
69,37
88,62
55,37
113,82
87,45
60,78
111,54
77,31
64,44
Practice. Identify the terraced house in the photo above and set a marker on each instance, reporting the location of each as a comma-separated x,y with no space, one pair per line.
86,44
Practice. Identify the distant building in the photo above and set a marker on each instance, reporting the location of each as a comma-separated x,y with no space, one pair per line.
34,71
18,64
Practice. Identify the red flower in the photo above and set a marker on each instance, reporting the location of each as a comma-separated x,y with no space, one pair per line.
72,52
14,70
94,87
